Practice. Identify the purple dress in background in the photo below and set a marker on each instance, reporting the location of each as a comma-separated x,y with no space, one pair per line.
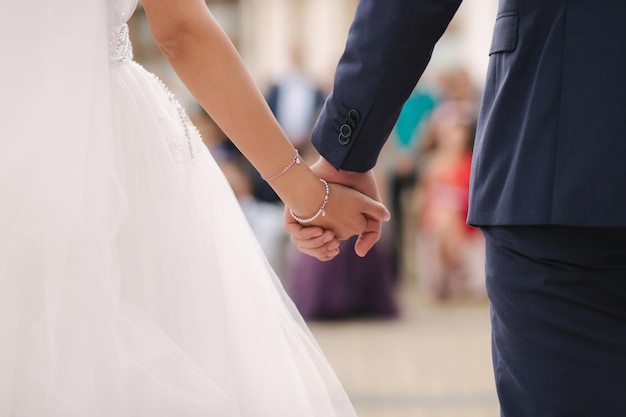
346,287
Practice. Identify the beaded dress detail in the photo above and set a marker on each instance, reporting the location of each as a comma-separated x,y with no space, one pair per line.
121,47
182,148
131,284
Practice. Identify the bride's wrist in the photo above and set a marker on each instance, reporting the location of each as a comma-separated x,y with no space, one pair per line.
301,191
321,211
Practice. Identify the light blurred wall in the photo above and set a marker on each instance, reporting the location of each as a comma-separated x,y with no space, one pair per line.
266,31
466,42
270,29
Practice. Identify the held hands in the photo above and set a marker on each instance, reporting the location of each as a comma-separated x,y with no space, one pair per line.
353,208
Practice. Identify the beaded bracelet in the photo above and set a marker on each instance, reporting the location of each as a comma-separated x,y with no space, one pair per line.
320,212
296,160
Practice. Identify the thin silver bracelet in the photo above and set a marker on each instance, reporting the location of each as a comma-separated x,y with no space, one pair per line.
295,161
320,212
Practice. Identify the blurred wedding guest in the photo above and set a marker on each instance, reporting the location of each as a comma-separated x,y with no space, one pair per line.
220,146
454,88
295,99
400,157
349,286
449,253
265,218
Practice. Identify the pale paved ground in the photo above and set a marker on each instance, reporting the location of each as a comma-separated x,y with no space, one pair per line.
434,361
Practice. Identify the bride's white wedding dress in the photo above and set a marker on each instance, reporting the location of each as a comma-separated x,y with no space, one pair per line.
130,282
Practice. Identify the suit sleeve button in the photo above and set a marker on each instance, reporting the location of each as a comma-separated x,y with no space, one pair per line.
343,140
354,115
350,122
345,130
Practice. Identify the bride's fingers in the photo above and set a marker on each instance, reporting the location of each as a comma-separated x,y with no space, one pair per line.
323,247
303,233
327,243
315,246
324,253
328,257
310,238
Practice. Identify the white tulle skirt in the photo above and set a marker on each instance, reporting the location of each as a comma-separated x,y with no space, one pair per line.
130,282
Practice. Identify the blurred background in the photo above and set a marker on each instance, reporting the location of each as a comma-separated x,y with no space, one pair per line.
407,327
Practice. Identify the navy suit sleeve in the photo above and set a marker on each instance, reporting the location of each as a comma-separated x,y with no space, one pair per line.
389,45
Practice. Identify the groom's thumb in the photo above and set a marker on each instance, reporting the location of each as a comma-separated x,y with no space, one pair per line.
368,238
377,211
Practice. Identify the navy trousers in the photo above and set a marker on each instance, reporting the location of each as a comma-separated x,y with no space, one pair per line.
558,309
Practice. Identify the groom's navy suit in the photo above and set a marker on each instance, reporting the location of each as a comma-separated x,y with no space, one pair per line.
548,183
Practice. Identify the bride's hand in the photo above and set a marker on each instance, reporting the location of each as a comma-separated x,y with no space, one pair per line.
312,240
347,213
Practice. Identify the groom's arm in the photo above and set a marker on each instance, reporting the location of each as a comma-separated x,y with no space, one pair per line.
389,45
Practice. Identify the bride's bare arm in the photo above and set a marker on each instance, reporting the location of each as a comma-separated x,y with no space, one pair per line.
207,62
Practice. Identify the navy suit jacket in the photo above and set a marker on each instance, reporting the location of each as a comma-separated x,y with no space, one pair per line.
551,138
